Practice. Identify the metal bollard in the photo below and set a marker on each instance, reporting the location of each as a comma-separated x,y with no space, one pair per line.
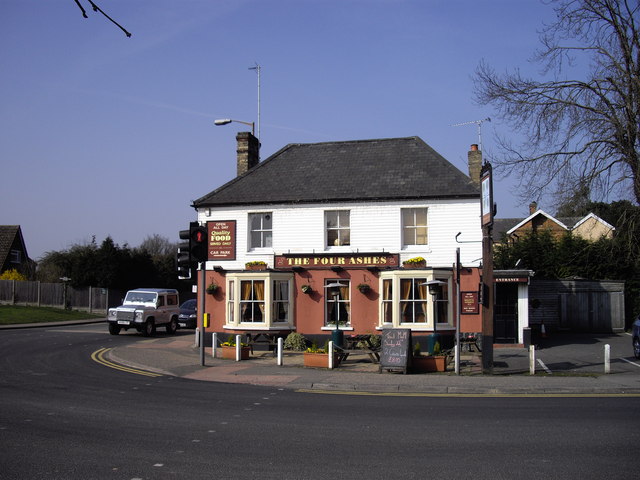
238,348
607,358
280,346
214,344
197,339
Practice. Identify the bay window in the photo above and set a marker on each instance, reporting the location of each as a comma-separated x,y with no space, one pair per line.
259,301
405,300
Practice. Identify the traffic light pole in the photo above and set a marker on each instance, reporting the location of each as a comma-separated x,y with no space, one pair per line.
201,301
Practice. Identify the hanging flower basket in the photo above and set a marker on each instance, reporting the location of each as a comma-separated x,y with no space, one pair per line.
306,289
364,288
212,289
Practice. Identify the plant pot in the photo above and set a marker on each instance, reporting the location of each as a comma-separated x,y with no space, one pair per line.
230,352
431,363
318,360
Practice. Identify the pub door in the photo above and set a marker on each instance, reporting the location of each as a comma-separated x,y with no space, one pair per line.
505,313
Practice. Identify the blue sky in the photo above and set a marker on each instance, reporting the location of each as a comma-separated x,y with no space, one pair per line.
102,135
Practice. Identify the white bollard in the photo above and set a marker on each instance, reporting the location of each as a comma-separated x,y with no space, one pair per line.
214,344
238,348
279,353
197,339
607,358
456,353
532,360
330,348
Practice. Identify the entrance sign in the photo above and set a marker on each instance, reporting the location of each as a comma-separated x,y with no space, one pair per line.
396,349
222,240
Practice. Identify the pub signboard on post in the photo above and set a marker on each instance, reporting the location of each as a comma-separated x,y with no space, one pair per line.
222,240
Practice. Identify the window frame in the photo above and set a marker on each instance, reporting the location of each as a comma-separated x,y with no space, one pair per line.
395,278
262,231
414,226
329,304
339,228
234,319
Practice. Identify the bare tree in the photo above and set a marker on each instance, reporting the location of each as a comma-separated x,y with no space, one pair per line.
96,8
576,132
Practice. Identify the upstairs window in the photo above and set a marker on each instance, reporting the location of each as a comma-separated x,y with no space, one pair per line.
414,226
338,228
15,256
260,230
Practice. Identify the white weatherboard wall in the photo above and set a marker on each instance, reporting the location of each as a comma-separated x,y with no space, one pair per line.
375,227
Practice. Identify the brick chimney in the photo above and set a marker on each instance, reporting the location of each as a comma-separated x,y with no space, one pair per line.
475,164
533,208
248,152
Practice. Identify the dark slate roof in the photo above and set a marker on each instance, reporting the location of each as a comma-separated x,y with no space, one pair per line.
361,170
7,236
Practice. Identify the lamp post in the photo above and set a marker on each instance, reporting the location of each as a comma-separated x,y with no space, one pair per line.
435,287
337,335
226,121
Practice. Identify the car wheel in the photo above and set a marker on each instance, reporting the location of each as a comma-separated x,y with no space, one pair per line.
172,326
114,329
636,347
149,328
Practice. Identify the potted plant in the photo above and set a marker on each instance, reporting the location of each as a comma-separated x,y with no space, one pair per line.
364,288
212,289
306,289
229,349
415,262
437,362
318,357
256,265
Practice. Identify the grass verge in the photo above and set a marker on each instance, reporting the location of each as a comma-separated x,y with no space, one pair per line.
16,314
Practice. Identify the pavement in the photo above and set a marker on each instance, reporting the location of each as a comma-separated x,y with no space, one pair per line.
573,366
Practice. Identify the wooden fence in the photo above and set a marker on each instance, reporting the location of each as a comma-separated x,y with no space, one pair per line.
58,295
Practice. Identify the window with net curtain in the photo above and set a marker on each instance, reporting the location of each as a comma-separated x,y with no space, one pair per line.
252,301
414,226
338,303
338,228
261,228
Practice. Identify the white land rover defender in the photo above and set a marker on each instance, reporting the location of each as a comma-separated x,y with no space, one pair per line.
145,309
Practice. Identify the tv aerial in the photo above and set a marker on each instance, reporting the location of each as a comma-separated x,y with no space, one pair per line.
479,124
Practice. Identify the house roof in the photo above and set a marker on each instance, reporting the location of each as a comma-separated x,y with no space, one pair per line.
361,170
7,237
509,225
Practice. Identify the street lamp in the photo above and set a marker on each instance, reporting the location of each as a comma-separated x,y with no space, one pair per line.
337,336
226,121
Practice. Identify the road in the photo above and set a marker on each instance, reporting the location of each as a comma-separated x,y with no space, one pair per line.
66,416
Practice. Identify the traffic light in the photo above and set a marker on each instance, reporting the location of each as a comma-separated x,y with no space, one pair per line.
183,258
198,248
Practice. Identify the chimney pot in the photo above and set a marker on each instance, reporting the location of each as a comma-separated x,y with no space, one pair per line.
533,207
474,147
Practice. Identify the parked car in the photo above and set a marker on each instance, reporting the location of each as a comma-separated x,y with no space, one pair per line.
635,337
188,315
145,309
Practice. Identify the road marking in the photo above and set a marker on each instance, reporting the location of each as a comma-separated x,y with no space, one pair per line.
546,369
98,356
629,361
468,395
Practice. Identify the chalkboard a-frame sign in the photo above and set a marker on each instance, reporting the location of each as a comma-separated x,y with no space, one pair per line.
396,349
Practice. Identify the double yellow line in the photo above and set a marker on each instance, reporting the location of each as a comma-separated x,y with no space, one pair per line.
99,357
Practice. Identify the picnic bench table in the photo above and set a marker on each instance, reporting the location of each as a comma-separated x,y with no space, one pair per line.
356,344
